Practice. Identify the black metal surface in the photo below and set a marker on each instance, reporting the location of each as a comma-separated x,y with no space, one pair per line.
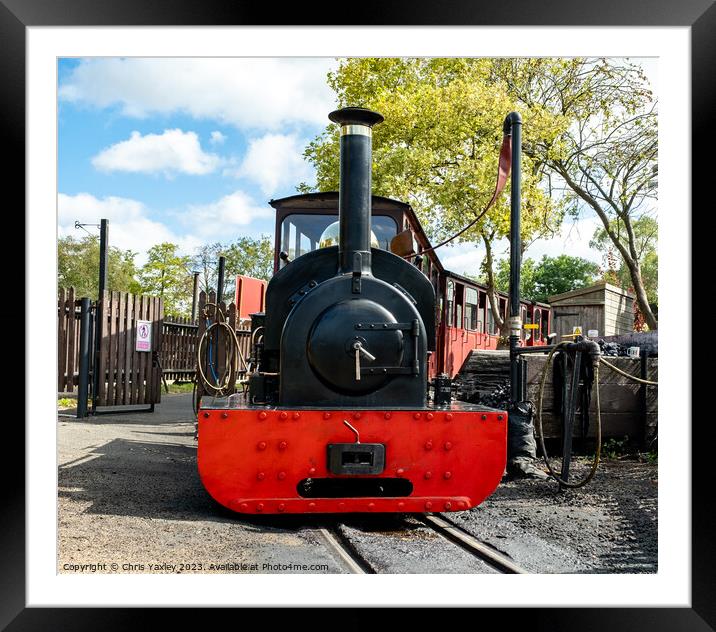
570,407
84,368
319,265
354,488
442,390
513,125
99,319
352,459
317,368
220,280
332,336
354,197
195,298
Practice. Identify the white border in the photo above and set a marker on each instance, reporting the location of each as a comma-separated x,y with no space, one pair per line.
670,586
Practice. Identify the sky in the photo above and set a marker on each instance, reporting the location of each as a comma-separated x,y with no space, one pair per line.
191,151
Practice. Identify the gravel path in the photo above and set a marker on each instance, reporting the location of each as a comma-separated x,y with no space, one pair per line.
130,495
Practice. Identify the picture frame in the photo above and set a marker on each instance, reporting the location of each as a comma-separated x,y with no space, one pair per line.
700,15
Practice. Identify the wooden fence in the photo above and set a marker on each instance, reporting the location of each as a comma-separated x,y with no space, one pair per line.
178,354
128,376
628,408
68,340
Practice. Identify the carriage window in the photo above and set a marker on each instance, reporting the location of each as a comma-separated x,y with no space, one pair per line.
301,232
544,329
525,333
490,321
481,312
450,302
459,300
470,308
538,322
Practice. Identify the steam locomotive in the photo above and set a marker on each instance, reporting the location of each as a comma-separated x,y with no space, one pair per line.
338,416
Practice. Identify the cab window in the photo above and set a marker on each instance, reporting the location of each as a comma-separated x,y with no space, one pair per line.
302,232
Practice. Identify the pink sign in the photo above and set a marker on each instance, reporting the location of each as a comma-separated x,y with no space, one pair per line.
144,336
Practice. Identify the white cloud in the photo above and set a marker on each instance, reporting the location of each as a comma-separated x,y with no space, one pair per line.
217,138
244,92
130,228
225,219
573,240
274,161
462,258
173,151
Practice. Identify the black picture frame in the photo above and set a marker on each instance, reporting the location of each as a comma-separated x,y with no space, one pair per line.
700,15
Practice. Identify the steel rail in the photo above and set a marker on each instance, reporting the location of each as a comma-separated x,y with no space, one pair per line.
471,544
355,563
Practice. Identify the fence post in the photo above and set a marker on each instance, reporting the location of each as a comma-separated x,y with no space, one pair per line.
83,385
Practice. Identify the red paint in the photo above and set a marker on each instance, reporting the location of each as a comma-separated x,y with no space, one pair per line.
229,466
250,296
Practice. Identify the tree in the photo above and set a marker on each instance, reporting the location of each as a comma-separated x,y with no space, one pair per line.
439,145
166,275
605,159
645,235
78,267
552,275
527,278
246,256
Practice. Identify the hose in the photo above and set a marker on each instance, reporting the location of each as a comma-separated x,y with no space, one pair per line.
631,377
219,387
597,453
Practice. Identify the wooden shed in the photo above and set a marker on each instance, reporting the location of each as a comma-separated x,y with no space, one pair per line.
603,307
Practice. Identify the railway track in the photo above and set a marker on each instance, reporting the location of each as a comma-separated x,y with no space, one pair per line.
457,535
448,531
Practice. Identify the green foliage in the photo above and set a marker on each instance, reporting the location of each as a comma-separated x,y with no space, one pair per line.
78,267
613,448
552,275
166,275
645,234
440,141
180,387
246,256
588,139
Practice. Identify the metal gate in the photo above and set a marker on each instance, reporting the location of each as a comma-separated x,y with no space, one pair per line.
129,330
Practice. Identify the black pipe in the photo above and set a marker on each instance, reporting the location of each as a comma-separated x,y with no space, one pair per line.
354,197
513,126
99,320
220,281
195,298
83,386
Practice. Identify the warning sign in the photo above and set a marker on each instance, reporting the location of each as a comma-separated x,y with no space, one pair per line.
576,331
144,336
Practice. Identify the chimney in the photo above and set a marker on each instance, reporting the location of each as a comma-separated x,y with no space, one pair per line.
354,197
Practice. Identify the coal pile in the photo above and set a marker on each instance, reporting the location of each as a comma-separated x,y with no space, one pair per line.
612,348
498,396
